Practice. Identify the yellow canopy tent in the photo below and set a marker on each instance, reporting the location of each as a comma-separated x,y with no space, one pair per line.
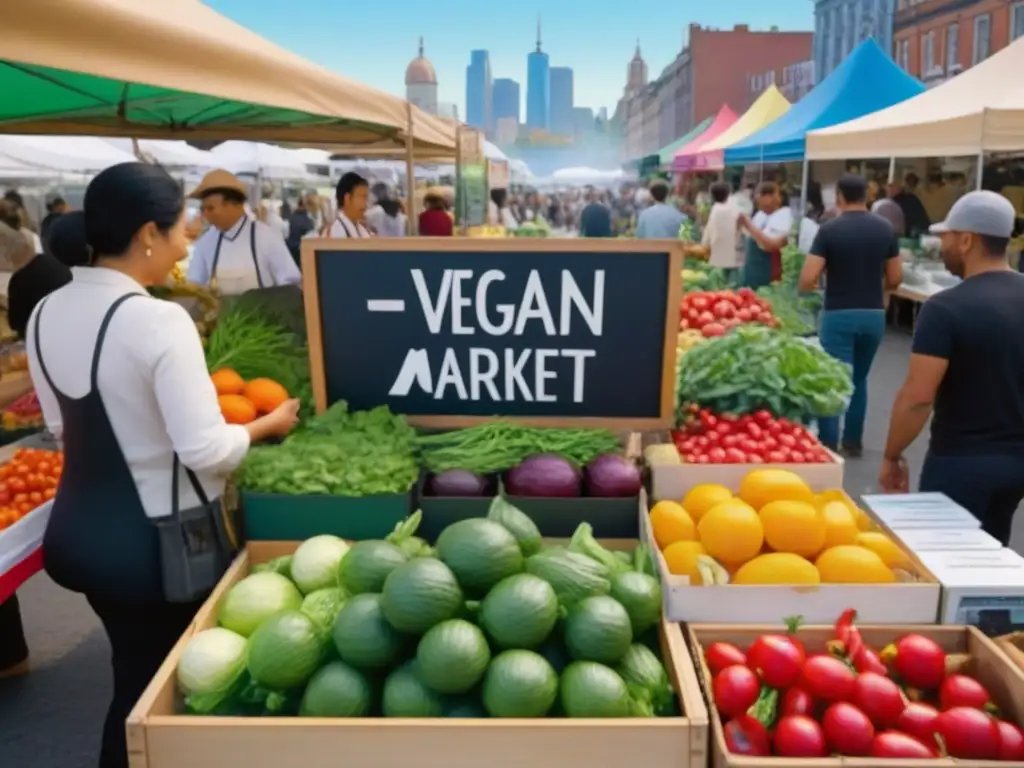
181,70
769,107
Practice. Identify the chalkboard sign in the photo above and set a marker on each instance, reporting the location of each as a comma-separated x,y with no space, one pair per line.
451,332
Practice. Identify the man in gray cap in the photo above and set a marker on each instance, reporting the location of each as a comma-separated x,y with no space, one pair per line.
967,363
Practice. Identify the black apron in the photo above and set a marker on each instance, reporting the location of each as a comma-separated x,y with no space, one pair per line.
99,540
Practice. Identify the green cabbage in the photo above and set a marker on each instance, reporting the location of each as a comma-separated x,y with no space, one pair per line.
254,599
211,668
324,605
315,563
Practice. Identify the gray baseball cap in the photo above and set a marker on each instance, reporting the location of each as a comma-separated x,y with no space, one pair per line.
979,213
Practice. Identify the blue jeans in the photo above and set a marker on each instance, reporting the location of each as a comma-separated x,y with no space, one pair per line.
853,336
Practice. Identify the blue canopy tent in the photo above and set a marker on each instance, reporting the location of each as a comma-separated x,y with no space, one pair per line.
867,81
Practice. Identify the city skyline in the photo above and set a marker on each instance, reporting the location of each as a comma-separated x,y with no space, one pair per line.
374,45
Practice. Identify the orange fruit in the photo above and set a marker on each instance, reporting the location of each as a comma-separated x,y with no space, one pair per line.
236,409
265,394
227,382
701,498
671,523
761,486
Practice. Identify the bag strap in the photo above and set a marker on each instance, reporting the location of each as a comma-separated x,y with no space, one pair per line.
252,248
193,481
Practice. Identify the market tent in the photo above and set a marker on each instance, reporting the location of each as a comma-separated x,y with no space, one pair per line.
170,153
866,81
585,175
687,157
117,67
766,109
265,160
70,154
981,109
667,153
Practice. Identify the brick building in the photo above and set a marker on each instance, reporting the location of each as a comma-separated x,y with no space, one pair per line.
713,69
936,39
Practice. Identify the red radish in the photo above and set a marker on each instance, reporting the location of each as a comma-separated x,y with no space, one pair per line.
963,691
796,701
919,721
721,655
969,733
827,678
895,744
799,736
745,735
848,731
919,661
776,659
736,688
1011,740
879,698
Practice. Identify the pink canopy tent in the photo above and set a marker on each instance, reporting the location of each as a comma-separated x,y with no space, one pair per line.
688,158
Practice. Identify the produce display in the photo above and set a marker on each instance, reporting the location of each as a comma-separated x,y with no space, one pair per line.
491,622
715,312
23,413
907,700
538,228
338,453
754,367
794,312
26,481
775,530
754,438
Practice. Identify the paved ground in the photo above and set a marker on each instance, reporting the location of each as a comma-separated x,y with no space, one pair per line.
52,717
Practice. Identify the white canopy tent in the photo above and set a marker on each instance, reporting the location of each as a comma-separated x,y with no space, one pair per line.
264,160
491,152
170,153
63,154
981,110
585,175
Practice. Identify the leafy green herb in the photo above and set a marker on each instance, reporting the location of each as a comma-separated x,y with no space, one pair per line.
339,453
796,312
754,367
495,446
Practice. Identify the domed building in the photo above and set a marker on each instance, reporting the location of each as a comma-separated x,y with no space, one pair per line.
421,83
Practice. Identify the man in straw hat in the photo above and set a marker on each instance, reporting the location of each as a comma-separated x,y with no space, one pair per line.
238,253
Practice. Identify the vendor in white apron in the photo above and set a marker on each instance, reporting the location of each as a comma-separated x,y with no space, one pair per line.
352,195
237,253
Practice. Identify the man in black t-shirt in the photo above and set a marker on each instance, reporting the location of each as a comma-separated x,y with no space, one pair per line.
967,364
854,252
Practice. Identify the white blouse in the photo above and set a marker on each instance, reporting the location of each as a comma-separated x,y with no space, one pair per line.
343,226
152,377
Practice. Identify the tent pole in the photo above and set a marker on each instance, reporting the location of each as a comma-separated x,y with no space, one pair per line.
981,151
410,173
804,181
892,170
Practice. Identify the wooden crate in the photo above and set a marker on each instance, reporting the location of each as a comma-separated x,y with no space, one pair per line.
990,665
160,738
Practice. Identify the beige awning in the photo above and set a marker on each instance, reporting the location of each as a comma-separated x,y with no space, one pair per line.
178,69
979,110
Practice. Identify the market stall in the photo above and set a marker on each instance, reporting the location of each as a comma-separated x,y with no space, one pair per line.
766,109
688,157
667,153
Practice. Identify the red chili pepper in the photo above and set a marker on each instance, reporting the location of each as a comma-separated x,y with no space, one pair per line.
849,635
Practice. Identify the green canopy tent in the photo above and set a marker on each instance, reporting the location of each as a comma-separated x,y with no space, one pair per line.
667,153
125,68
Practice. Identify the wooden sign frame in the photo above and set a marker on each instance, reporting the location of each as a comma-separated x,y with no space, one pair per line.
438,245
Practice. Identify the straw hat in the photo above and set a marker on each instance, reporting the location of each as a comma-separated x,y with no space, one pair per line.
217,180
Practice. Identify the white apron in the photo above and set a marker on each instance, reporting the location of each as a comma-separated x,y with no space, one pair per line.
236,276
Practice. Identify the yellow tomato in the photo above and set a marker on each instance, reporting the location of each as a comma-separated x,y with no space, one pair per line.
731,532
701,498
853,565
777,568
793,526
840,525
761,486
671,523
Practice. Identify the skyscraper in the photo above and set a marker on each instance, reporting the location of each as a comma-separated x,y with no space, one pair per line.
505,99
538,88
561,96
478,90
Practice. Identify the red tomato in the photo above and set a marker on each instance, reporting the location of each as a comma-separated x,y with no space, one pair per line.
776,457
867,661
969,733
755,458
827,678
712,329
716,455
718,656
962,691
747,736
776,659
735,456
848,731
766,318
895,744
1011,740
799,736
705,317
879,698
796,457
699,302
736,688
796,701
743,315
920,662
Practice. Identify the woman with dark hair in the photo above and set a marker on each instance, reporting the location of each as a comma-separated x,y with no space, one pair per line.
434,220
386,217
768,233
122,381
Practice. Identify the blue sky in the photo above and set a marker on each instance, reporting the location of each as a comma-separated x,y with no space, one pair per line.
373,41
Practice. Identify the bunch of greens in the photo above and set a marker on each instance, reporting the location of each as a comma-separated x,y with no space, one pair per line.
796,312
792,264
495,446
702,277
753,367
339,453
689,232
